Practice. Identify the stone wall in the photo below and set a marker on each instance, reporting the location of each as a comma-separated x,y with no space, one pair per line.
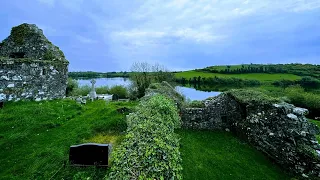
280,130
32,79
214,116
31,67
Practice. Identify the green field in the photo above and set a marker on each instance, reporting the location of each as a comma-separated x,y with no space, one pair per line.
219,155
263,77
35,137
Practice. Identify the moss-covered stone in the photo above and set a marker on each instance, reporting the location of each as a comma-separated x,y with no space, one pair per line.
246,96
20,33
28,41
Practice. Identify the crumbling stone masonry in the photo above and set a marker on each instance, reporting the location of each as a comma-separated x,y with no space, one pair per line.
31,67
280,130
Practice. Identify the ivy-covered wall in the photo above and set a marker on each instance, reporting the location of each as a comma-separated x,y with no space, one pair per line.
32,79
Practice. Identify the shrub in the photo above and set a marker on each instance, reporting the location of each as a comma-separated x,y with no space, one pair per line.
150,150
309,82
284,83
102,90
143,74
300,98
71,86
81,91
119,91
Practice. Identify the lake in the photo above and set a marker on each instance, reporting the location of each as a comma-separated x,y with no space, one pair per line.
188,92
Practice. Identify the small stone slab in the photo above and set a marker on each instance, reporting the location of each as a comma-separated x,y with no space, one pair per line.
89,154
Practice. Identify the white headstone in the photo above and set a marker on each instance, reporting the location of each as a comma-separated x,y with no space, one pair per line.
93,94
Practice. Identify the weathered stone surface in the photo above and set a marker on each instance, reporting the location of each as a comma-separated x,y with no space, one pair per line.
31,67
280,130
28,41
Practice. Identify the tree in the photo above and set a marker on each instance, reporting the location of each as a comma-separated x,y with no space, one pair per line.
143,74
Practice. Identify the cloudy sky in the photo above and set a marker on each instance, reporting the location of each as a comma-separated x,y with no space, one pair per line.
109,35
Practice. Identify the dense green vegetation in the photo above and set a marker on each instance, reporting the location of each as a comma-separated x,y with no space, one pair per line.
219,155
296,69
73,89
150,150
317,122
35,136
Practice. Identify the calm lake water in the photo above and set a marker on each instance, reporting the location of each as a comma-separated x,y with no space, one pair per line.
190,93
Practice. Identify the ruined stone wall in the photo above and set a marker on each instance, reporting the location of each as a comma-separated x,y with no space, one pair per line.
32,79
214,116
279,130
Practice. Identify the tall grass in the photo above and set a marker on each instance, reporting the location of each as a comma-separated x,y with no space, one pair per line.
299,97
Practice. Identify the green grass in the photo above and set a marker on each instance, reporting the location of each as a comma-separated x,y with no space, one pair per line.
35,136
219,155
263,77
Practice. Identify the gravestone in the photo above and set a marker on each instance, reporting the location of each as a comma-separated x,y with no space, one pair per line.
89,154
93,94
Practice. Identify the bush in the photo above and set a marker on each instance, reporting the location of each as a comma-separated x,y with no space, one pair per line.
71,86
284,83
102,90
143,74
309,82
120,91
150,150
300,98
81,91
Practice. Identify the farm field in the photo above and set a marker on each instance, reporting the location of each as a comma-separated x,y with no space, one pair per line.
263,77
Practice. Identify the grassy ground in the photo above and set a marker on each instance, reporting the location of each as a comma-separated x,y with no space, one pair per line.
219,155
264,77
35,136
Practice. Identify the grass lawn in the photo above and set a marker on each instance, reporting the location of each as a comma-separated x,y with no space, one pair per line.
264,77
35,136
219,155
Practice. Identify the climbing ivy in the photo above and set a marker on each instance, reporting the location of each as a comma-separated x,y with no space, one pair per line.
150,149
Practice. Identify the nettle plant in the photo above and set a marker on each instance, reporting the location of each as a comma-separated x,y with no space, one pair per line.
150,150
